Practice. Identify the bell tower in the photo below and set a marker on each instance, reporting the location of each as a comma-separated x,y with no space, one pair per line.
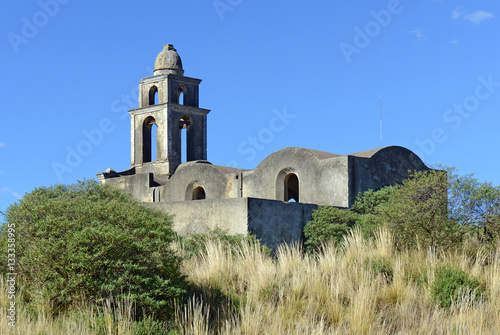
168,101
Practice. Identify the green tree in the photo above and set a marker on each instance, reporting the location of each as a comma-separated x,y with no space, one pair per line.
417,212
439,208
435,208
90,241
475,205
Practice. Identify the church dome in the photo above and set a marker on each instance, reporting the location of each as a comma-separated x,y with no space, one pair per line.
168,61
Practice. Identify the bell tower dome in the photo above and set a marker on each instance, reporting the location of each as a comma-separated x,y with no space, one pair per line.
168,101
168,61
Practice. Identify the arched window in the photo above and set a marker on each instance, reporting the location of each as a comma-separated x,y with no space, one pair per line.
153,95
149,142
291,188
154,133
184,124
180,96
199,193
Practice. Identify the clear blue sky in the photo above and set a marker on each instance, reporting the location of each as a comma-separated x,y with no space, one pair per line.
70,66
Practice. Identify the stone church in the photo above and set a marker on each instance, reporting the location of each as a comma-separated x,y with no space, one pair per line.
272,201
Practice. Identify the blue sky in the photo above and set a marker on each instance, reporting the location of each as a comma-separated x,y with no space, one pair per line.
275,74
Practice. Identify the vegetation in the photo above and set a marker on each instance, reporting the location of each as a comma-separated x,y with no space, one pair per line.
331,224
338,291
195,244
474,205
87,242
452,284
417,212
420,257
436,208
328,224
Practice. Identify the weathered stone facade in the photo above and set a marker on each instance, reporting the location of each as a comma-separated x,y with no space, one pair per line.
273,201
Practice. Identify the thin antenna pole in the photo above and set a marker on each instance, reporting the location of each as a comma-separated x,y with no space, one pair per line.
381,121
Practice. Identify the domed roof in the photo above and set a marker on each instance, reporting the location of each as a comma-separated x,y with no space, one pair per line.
168,61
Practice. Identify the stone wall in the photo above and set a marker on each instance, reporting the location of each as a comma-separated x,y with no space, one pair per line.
273,222
323,177
378,168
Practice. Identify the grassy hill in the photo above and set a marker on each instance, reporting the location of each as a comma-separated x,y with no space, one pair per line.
361,287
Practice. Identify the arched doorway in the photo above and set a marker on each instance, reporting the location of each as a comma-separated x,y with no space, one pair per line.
199,193
291,188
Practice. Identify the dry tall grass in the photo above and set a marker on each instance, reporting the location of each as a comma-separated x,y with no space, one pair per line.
339,291
109,319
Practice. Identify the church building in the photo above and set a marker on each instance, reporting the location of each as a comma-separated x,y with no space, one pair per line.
273,201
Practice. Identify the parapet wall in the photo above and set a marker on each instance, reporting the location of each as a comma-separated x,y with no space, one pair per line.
198,216
272,221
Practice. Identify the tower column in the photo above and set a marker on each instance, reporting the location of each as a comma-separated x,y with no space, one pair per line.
160,106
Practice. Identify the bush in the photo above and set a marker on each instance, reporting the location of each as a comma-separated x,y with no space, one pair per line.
332,224
367,202
382,267
149,326
366,206
327,224
89,241
450,283
417,212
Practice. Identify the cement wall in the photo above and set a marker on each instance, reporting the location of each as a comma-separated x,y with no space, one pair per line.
190,175
197,216
273,222
138,185
323,177
380,168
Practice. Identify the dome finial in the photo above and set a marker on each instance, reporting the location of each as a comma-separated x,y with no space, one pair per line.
168,62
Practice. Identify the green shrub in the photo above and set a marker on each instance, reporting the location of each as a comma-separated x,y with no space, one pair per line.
450,283
367,202
382,267
149,326
108,324
327,224
89,241
331,223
